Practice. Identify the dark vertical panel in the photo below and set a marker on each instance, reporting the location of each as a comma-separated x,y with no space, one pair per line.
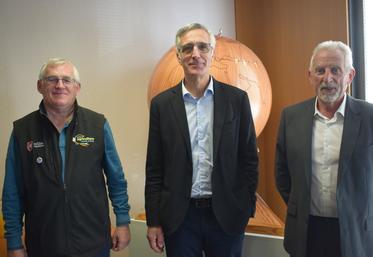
356,27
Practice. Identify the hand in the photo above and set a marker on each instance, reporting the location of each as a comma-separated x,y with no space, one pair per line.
17,253
156,239
121,238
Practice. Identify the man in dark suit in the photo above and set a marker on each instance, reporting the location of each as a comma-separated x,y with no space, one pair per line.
201,168
324,163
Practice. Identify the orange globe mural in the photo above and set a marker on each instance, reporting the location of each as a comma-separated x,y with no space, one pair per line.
233,63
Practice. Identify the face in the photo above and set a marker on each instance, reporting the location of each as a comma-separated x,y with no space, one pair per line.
329,76
58,87
196,55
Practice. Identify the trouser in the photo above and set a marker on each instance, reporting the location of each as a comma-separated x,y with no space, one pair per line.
323,237
201,235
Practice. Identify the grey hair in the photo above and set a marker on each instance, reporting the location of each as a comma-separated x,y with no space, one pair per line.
190,27
334,45
56,62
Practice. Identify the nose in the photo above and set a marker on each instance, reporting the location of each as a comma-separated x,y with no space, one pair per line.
60,83
328,76
195,52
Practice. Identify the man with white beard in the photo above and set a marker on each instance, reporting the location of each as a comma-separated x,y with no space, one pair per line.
324,163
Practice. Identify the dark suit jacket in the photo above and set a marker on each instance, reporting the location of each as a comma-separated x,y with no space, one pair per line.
169,160
355,176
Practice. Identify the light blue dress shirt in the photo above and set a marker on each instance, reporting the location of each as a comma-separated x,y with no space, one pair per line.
200,116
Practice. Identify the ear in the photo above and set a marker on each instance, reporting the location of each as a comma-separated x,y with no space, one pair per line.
351,75
78,89
39,86
178,56
309,75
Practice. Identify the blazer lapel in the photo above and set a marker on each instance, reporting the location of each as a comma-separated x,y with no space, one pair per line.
305,138
220,106
351,128
178,108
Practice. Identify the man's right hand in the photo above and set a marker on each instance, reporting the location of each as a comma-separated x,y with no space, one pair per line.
156,239
17,253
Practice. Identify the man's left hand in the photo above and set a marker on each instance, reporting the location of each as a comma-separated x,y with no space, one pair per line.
121,238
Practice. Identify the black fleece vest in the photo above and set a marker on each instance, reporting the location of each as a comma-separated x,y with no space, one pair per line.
69,218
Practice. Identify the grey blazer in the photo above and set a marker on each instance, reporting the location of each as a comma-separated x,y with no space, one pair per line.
355,176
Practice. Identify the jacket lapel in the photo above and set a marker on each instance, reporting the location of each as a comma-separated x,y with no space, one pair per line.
306,123
351,128
178,110
220,106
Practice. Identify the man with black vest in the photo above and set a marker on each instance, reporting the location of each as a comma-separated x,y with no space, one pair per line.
57,161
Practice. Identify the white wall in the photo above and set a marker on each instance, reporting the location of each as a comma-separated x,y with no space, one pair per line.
115,45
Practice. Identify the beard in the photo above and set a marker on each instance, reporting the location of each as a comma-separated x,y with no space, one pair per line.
328,97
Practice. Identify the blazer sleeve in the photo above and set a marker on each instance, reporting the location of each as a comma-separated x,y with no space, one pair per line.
283,180
154,168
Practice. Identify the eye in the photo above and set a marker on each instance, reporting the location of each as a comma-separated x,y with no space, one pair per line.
52,79
335,70
319,70
187,48
67,80
203,47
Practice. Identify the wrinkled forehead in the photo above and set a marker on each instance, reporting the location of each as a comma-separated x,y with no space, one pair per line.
329,57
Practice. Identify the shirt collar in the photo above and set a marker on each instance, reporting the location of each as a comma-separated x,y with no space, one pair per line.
43,111
341,109
209,89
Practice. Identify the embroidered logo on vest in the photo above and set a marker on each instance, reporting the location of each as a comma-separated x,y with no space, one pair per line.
31,144
83,140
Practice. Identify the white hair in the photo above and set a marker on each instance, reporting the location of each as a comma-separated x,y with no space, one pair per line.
334,45
56,62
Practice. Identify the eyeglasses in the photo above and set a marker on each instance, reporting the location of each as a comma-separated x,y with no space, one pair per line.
201,46
53,80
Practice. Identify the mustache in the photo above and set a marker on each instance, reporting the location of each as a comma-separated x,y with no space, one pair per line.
196,62
325,85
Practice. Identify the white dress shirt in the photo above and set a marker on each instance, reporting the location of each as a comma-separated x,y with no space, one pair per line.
326,144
